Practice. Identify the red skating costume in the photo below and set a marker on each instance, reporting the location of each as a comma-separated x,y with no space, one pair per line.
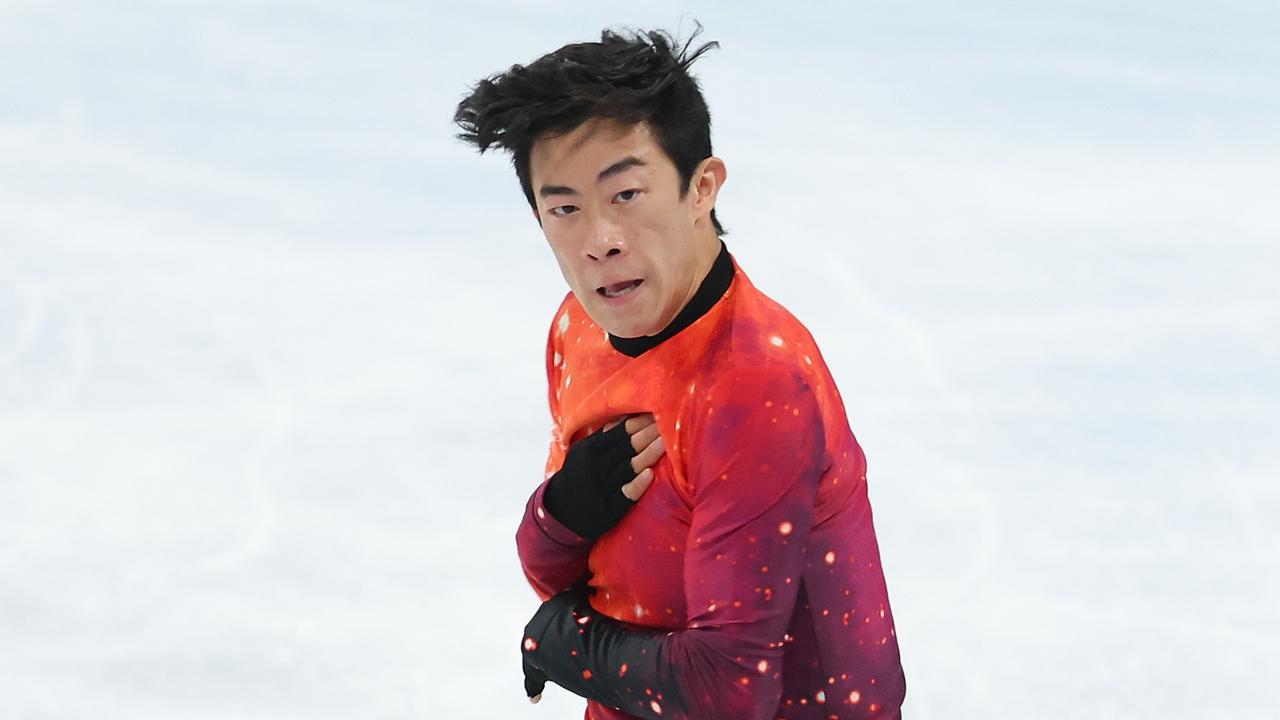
746,583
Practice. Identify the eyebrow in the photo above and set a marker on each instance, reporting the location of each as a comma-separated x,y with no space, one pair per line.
625,163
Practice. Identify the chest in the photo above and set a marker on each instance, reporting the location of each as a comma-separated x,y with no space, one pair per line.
638,566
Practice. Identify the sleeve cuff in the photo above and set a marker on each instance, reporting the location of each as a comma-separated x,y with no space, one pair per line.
550,526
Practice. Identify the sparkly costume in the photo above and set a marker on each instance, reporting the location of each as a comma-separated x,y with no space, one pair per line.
746,583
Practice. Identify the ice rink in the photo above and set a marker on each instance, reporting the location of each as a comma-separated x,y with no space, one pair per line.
271,344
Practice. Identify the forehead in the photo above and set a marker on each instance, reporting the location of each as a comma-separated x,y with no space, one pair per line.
588,149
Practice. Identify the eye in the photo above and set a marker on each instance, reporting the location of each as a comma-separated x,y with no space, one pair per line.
563,210
627,196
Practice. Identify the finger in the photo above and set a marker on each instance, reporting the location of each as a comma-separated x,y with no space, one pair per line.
650,455
612,424
641,439
614,450
535,698
635,423
634,489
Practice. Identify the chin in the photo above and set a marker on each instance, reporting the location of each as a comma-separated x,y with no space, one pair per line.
626,330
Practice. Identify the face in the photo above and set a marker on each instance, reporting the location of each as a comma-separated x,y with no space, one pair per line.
631,243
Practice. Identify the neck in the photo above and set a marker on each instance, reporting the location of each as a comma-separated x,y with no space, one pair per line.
716,277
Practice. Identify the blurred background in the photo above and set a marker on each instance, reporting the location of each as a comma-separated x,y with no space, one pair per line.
271,343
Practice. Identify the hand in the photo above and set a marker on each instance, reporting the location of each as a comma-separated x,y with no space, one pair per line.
604,474
535,681
645,440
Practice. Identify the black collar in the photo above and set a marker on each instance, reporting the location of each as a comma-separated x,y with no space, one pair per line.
713,287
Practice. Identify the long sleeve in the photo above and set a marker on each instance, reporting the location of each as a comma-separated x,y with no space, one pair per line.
756,454
551,555
852,622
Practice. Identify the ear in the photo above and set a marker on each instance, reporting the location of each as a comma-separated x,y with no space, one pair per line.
705,184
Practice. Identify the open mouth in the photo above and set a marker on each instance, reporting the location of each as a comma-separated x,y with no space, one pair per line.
619,289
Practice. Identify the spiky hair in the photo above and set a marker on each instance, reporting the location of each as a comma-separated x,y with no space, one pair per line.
631,77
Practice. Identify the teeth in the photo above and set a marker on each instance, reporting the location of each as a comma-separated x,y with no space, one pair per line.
623,291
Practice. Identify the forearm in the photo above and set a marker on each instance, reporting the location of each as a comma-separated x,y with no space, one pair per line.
551,555
692,673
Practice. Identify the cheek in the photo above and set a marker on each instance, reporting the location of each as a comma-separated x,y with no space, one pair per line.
566,268
570,277
661,218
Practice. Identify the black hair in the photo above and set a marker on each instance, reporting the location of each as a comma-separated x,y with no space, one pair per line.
640,77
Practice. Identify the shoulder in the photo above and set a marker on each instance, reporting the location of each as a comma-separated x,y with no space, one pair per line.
568,311
755,427
739,380
752,398
761,331
566,326
762,362
762,338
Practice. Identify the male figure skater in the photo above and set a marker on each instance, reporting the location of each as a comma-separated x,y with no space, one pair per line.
702,542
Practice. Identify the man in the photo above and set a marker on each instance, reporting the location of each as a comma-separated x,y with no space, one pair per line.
703,543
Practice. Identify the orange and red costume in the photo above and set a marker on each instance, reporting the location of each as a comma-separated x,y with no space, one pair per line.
753,553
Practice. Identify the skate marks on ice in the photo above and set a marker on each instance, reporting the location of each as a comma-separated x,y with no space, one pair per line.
955,502
924,350
258,491
45,358
45,351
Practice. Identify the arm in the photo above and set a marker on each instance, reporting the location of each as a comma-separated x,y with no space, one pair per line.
602,477
551,555
754,477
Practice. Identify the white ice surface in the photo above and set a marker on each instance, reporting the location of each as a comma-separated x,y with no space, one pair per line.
271,392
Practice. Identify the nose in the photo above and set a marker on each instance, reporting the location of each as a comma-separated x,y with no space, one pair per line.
605,240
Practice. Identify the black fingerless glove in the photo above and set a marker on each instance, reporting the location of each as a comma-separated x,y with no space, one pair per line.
586,494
